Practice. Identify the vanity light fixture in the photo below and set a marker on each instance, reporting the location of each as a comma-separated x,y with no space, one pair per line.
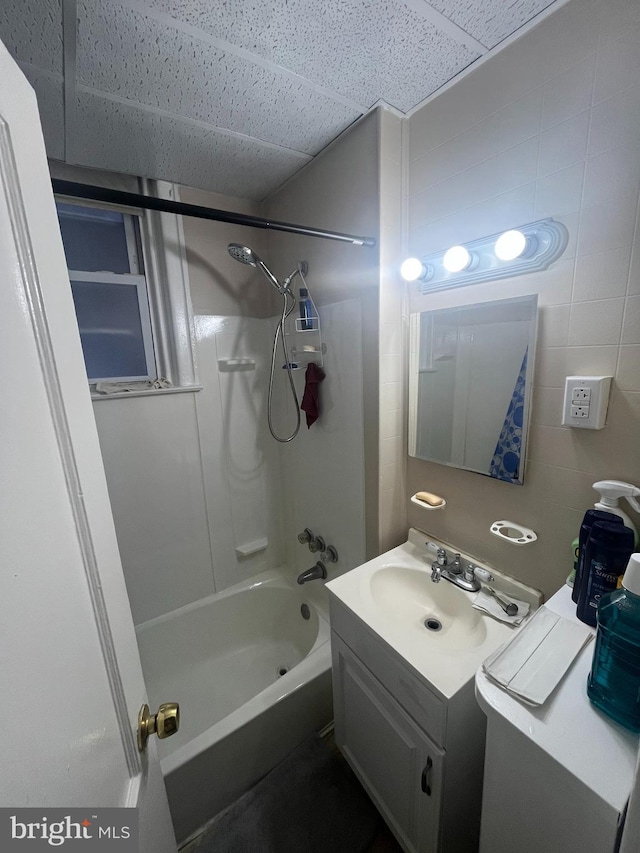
528,248
412,269
511,245
456,259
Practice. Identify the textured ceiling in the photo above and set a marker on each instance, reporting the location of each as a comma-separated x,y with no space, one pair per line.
236,95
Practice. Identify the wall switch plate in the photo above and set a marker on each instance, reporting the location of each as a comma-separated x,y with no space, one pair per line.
586,399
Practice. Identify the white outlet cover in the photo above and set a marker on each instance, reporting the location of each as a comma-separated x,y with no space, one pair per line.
586,399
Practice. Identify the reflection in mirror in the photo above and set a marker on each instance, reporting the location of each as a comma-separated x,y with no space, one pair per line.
470,380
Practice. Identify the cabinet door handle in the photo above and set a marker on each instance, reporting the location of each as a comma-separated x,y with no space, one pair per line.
426,787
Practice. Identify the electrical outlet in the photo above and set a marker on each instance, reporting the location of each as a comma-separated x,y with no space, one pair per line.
586,399
581,394
579,411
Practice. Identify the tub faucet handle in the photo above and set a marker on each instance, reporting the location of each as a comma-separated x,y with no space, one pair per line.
306,536
329,555
317,544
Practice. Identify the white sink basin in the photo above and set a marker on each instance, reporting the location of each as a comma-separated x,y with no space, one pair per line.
394,595
440,613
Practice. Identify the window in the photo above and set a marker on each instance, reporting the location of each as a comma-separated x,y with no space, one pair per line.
104,255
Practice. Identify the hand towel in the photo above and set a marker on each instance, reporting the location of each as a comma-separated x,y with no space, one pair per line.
311,397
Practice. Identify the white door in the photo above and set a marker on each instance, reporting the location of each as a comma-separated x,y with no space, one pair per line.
69,666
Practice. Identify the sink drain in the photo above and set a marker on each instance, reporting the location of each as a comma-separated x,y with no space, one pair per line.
432,624
283,670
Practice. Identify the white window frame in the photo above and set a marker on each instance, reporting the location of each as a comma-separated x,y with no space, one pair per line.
167,318
140,283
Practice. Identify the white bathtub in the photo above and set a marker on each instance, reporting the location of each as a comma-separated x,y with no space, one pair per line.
221,658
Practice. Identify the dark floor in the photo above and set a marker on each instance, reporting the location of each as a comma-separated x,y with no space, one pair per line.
384,842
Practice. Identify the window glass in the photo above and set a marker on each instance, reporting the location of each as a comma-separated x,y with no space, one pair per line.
110,330
96,240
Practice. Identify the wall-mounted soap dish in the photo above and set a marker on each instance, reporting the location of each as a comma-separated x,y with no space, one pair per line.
512,532
427,500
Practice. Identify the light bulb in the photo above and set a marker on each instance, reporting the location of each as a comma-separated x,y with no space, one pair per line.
510,245
456,259
412,269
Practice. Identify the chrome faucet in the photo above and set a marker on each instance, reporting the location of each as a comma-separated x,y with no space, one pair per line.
317,572
466,577
438,565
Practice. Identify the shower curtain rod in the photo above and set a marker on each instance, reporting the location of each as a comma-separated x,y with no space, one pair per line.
75,190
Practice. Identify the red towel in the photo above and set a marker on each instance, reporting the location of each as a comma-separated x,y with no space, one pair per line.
311,397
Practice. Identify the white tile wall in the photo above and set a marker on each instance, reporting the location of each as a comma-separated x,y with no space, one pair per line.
338,460
556,119
323,468
392,441
239,458
150,448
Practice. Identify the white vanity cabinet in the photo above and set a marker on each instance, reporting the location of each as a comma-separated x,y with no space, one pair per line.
418,754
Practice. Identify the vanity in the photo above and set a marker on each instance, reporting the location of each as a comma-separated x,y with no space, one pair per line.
557,776
405,652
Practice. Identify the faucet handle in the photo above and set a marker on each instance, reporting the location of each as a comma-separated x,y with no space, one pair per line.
483,575
317,544
479,573
441,554
306,536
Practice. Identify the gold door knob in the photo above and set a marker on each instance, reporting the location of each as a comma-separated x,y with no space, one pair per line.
165,723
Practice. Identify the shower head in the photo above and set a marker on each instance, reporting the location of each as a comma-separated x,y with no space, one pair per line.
245,255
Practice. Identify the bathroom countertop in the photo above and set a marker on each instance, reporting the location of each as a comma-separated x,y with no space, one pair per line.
588,744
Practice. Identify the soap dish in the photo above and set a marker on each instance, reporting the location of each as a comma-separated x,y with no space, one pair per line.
512,532
427,500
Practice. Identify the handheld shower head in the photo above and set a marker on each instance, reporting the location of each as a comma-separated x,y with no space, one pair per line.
245,255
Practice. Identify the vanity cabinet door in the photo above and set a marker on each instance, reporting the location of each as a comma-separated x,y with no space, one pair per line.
400,767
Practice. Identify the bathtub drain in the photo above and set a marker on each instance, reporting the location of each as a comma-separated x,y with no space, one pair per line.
283,670
304,611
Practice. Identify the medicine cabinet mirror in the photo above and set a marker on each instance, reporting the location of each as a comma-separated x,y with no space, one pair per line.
470,381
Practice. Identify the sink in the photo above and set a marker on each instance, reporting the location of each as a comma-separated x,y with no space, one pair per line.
393,594
438,612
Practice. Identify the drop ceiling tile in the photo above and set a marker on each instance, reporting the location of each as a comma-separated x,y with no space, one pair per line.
136,57
490,21
364,50
123,138
32,31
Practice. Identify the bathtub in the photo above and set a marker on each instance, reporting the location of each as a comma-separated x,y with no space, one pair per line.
253,679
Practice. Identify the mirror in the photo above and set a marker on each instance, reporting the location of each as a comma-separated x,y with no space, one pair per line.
470,380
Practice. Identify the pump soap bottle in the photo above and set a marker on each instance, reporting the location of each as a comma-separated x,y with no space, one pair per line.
610,493
614,681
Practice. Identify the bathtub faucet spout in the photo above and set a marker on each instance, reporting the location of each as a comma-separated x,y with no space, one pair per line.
317,572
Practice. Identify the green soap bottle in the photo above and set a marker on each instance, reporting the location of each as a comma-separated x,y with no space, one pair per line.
575,549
